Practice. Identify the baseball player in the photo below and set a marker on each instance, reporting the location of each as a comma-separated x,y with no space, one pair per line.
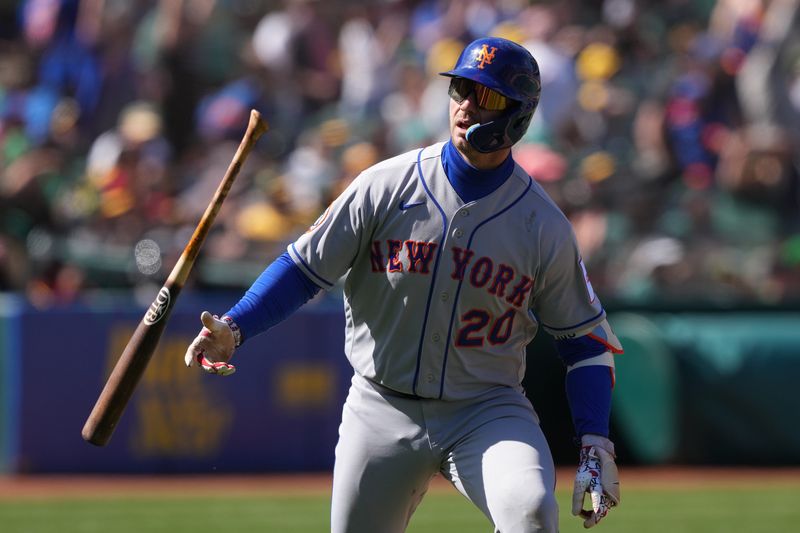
452,258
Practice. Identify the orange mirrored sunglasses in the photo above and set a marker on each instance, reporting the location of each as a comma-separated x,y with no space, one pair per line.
486,98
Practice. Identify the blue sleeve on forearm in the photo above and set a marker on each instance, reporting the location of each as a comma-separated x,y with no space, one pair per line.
577,349
589,396
277,293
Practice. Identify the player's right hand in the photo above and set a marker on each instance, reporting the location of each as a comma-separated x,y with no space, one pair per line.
213,347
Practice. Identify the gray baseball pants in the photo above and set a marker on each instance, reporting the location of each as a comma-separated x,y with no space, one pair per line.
491,448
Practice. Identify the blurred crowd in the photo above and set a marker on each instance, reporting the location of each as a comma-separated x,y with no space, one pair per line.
668,131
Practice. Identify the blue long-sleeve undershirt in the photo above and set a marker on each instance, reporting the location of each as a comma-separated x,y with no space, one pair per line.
277,293
588,387
589,396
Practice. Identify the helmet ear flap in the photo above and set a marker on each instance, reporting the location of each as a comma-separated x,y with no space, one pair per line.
483,137
500,133
522,121
519,125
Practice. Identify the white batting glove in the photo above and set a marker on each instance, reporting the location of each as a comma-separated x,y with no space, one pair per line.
214,345
597,475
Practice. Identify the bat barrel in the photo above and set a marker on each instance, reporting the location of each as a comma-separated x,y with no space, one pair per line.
104,417
128,372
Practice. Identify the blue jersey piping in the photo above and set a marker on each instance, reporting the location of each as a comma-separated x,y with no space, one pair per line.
435,270
595,317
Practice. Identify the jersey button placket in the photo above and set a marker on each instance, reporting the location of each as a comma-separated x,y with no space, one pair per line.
430,379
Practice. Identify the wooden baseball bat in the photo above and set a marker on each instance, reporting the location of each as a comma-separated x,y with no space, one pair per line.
132,363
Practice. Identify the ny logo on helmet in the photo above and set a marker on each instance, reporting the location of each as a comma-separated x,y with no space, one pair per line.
484,56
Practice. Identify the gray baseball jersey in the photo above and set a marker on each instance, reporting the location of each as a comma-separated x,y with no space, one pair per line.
442,297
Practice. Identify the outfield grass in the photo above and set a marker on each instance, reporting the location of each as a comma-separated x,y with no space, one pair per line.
732,509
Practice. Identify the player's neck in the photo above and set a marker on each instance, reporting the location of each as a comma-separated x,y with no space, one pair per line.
483,161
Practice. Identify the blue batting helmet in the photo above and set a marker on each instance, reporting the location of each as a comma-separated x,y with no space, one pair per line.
509,69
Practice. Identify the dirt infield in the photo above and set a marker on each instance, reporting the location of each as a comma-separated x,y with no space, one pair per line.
114,486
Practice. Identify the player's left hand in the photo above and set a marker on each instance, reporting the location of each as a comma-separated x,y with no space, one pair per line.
597,475
213,346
